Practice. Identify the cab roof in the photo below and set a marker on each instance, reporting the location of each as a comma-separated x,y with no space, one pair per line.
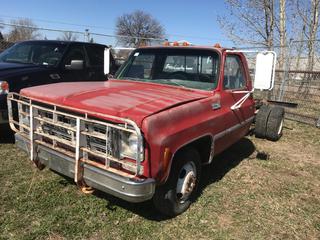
60,42
195,47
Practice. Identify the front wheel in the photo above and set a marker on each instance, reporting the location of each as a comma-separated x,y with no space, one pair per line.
176,195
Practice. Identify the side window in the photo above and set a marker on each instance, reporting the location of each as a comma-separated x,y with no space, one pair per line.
74,53
233,73
95,55
20,53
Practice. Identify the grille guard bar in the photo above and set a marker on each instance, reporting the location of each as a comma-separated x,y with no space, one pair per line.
79,145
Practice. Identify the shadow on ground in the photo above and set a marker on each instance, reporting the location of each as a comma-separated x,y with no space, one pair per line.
212,173
6,135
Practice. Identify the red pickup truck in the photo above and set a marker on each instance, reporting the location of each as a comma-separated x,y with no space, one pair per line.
146,133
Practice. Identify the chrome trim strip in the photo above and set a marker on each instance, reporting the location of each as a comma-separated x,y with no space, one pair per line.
225,132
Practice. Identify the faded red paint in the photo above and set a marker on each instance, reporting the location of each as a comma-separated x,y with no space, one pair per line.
169,116
128,99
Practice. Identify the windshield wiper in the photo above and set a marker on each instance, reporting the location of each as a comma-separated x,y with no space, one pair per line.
155,81
172,81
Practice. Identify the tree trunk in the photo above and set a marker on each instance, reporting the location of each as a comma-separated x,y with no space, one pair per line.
282,33
269,22
313,28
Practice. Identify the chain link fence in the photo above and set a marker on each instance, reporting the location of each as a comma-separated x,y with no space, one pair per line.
4,45
39,33
297,81
70,35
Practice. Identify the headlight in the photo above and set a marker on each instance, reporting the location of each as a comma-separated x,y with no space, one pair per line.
4,87
129,145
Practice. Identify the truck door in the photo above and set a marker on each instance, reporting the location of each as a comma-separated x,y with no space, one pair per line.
236,81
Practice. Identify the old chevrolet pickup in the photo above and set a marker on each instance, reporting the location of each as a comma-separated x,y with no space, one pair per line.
146,133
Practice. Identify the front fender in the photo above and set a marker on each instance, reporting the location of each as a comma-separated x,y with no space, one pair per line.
174,129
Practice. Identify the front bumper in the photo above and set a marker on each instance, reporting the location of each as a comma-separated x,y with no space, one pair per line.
124,188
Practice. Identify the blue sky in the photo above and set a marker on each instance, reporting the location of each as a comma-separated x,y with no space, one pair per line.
195,21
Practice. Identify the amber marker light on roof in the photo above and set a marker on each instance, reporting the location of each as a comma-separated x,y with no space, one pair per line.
217,45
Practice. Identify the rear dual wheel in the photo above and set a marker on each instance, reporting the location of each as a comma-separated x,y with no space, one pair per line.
269,122
275,124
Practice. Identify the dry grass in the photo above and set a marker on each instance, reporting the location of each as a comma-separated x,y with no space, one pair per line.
241,197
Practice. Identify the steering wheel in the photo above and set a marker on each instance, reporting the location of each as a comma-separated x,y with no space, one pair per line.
179,75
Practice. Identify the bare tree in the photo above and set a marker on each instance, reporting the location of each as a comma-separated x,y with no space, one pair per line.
68,36
138,28
282,32
23,29
252,22
310,17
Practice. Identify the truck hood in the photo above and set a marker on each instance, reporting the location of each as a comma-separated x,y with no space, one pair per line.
121,98
8,70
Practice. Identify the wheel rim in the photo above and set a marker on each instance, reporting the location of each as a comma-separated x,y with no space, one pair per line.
280,127
186,181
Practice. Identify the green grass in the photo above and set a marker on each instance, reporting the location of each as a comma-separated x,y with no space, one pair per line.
241,197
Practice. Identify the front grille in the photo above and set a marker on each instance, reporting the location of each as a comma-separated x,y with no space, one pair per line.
98,138
76,135
107,142
58,132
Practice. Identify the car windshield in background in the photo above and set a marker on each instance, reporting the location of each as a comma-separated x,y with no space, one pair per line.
190,68
38,53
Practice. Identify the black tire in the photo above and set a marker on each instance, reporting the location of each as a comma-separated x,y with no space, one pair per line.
261,121
166,199
275,124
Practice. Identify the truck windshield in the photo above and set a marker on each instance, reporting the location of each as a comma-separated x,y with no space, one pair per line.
39,53
190,68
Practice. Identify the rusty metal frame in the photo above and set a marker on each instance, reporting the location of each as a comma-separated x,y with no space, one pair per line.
79,143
